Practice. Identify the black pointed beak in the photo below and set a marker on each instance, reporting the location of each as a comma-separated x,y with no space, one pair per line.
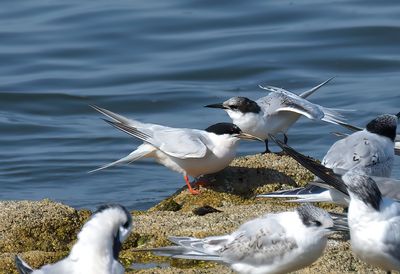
117,245
220,105
398,115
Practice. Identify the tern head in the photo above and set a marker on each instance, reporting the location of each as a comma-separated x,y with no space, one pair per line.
315,217
231,130
363,188
238,104
385,125
108,227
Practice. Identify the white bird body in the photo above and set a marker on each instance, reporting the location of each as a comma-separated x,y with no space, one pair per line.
362,151
369,151
368,229
275,243
276,112
220,152
97,248
374,222
191,152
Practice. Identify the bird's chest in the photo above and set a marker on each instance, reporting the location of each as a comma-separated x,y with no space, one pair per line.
281,121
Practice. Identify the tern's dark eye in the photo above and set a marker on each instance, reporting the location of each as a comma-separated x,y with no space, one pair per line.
317,223
126,225
233,107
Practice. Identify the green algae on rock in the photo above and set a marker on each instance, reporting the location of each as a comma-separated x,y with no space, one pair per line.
44,231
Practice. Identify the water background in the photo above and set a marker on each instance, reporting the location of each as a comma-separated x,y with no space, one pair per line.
160,62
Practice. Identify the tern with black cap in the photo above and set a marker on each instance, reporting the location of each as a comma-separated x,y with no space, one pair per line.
276,112
369,151
191,152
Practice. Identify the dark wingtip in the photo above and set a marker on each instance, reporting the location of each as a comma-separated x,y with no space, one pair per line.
398,115
326,174
22,267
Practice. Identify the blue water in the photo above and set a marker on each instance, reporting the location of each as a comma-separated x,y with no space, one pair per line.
161,61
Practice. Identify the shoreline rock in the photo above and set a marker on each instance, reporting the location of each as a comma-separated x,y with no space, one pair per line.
44,231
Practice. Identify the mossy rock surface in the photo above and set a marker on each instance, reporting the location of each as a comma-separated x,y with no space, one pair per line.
43,231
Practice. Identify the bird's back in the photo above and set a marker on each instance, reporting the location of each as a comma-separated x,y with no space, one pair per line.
365,151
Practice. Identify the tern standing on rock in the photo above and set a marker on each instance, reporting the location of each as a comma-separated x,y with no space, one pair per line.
191,152
275,243
276,112
98,246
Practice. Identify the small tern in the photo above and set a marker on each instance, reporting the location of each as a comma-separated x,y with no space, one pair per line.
355,129
191,152
319,191
374,220
369,151
98,246
276,112
275,243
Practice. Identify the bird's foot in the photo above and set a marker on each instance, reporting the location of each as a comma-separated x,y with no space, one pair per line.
194,191
191,190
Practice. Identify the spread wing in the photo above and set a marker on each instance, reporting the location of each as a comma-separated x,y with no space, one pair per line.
282,100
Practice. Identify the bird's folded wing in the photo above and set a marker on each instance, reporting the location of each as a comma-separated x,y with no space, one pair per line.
262,246
180,143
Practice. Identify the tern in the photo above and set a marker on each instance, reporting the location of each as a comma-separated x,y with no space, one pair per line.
370,151
275,243
319,191
276,112
98,246
355,129
373,220
191,152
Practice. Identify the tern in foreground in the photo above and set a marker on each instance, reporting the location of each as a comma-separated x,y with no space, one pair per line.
369,151
319,191
276,112
191,152
374,220
275,243
98,246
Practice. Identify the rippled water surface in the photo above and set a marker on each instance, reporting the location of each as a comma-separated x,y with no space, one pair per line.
161,61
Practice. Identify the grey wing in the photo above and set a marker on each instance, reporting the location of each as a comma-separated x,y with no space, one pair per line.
22,266
264,245
180,143
389,187
361,150
176,142
282,100
287,101
192,248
